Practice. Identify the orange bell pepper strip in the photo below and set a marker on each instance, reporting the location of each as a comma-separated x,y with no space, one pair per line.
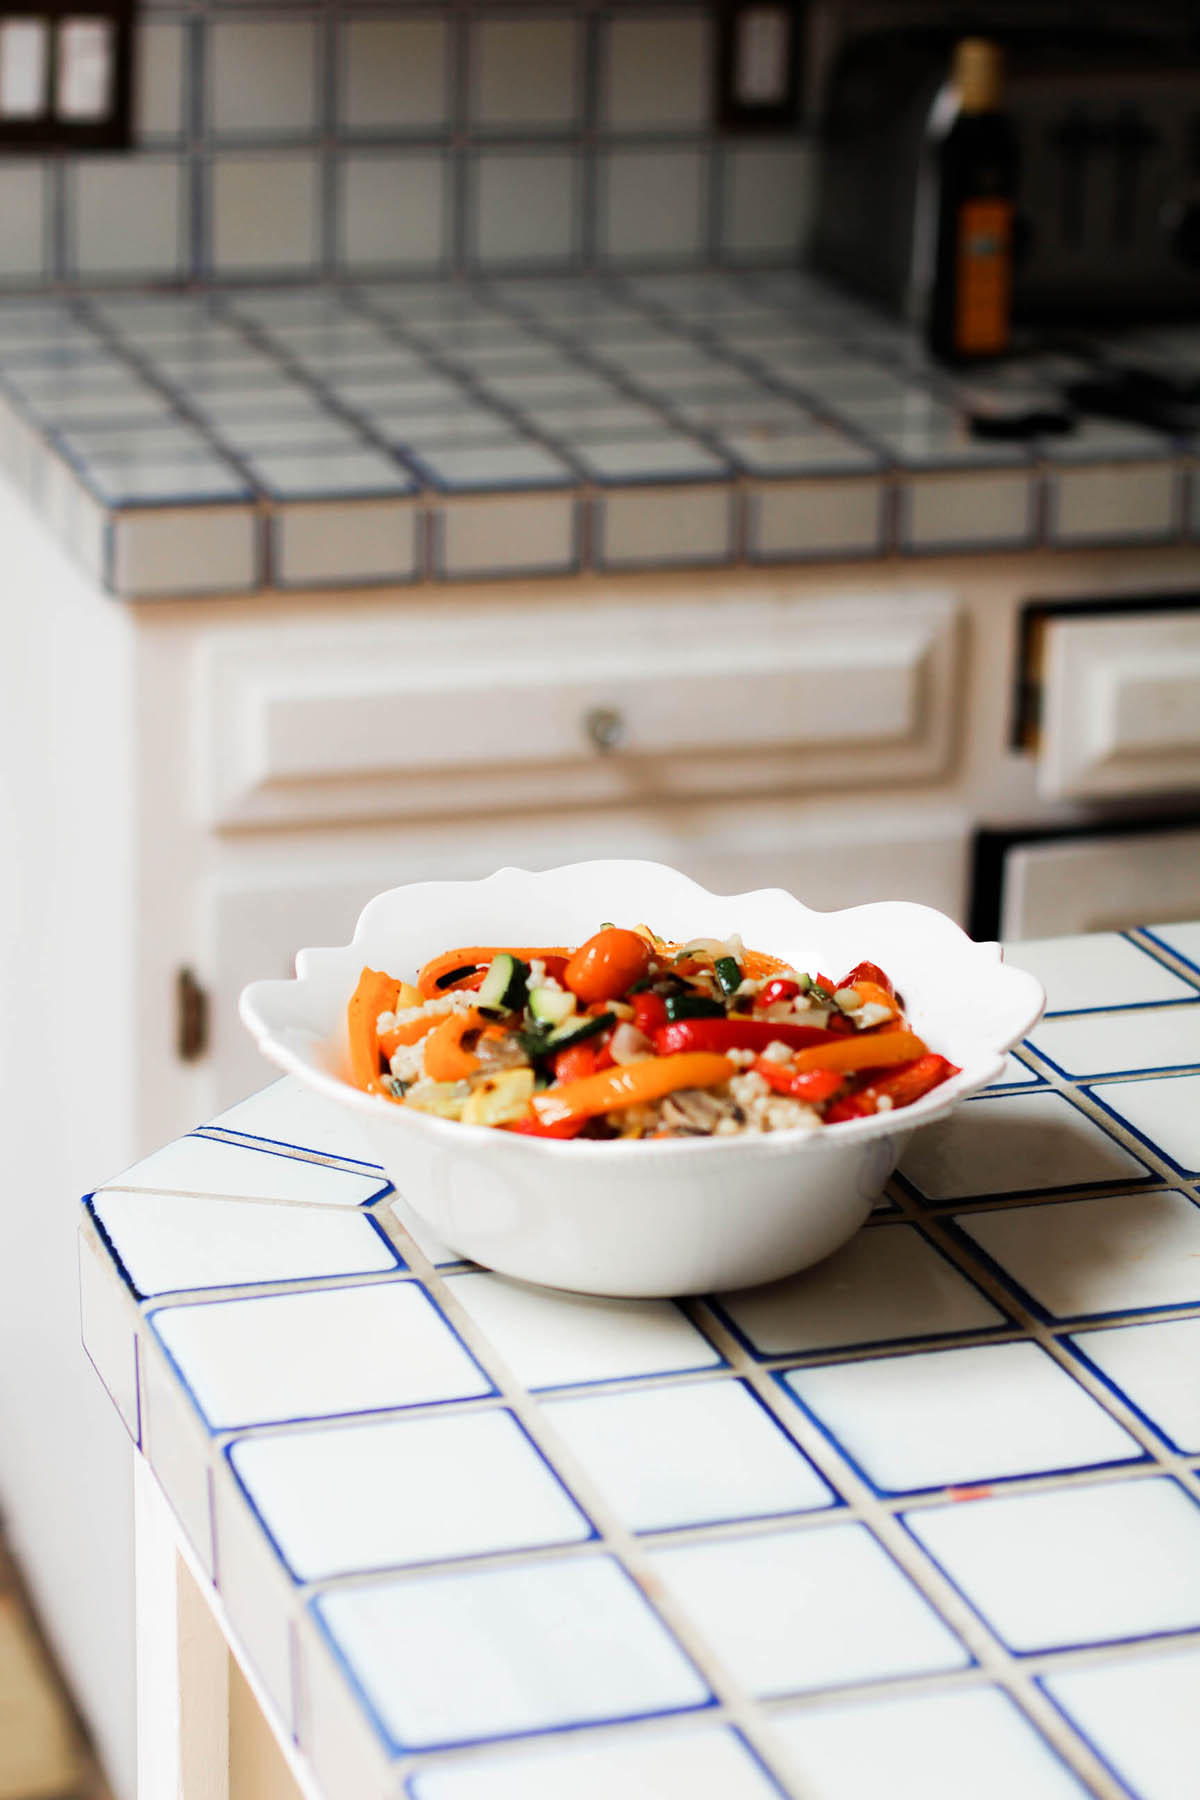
756,964
445,1057
477,954
871,994
376,993
629,1084
865,1050
411,1032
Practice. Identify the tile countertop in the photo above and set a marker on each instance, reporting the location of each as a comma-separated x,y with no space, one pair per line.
925,1519
361,435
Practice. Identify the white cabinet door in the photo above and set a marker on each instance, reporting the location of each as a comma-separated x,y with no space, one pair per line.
312,889
1103,883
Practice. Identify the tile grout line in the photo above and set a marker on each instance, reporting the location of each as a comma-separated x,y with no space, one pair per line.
935,1588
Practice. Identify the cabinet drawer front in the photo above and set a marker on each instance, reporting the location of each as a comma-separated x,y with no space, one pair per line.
533,706
1121,705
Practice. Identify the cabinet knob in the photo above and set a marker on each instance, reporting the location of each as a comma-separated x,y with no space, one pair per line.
604,728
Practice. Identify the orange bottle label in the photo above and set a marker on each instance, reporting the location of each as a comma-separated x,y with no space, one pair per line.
984,284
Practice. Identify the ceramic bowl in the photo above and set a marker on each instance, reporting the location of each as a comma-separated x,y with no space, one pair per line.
668,1217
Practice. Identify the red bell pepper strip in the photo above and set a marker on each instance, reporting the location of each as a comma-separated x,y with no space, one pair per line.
649,1012
813,1085
723,1035
901,1087
532,1126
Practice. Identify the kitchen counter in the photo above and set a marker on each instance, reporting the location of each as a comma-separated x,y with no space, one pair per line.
926,1517
315,437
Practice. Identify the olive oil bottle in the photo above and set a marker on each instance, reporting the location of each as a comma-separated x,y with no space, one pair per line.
970,297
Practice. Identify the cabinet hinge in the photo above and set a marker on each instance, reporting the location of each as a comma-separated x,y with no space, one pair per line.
191,1017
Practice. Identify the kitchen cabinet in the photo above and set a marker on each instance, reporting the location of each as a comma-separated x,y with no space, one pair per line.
192,789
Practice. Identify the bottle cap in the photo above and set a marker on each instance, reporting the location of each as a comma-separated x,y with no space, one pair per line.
978,74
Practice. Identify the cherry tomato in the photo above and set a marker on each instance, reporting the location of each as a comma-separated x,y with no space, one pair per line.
779,989
606,966
869,971
649,1012
576,1063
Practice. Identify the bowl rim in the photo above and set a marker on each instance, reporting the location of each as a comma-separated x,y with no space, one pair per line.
790,1140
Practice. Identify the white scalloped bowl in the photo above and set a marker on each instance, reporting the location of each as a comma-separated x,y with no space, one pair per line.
666,1217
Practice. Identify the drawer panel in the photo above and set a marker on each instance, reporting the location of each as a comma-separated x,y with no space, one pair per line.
1121,705
537,706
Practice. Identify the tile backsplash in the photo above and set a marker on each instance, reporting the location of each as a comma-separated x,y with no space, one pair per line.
339,140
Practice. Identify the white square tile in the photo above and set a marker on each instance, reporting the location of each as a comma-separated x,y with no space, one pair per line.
768,193
657,74
886,1283
661,526
107,1328
200,1165
310,1355
1157,1366
168,1242
261,77
258,1595
1123,503
1098,971
393,211
706,1762
394,74
185,550
523,208
517,463
1164,1109
361,541
1074,1565
176,1446
130,217
984,510
264,213
556,1339
319,474
971,1745
160,48
652,205
23,242
1134,1038
524,73
1076,1257
1141,1715
510,534
430,1246
696,1453
1014,1143
957,1417
533,1648
843,517
1184,939
1015,1074
792,1611
422,1476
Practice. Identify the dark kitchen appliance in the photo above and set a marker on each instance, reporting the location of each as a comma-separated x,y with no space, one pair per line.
1107,124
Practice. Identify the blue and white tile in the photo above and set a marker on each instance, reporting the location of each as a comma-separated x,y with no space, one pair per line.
1157,1367
175,1444
933,1747
591,415
394,75
1163,1109
887,1284
705,1762
202,1165
662,526
26,250
791,520
261,78
525,73
264,213
1183,939
1015,1074
652,204
549,1339
359,543
171,1242
814,449
1125,1041
107,1328
523,208
1121,499
129,218
404,1491
793,1611
309,475
160,72
519,463
1140,1713
656,73
394,392
1096,972
507,532
1080,1258
310,431
666,457
1028,1562
958,512
1015,1143
694,1453
394,211
942,1418
165,550
537,1647
157,480
367,1348
422,1235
